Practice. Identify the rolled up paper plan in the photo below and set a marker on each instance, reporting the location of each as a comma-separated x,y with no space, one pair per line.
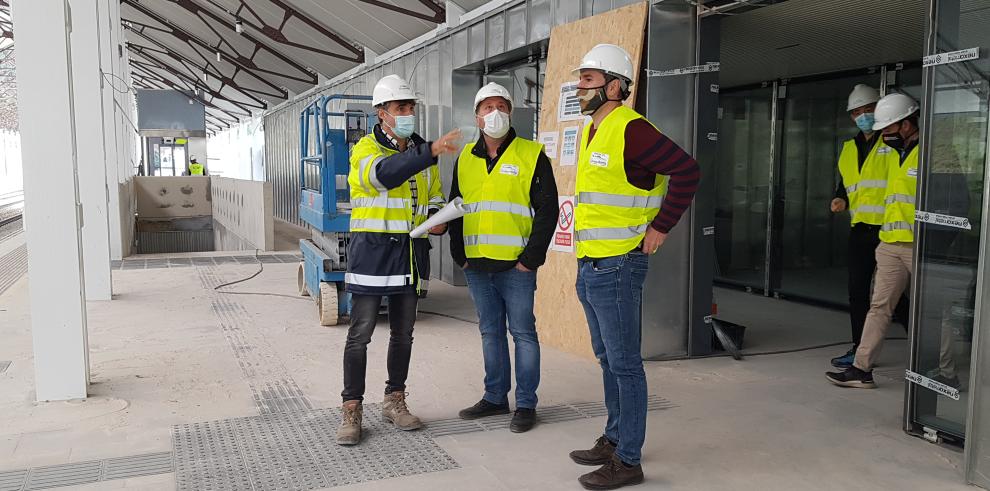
453,211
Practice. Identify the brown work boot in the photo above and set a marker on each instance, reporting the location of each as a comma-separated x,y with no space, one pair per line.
394,410
613,475
600,454
349,432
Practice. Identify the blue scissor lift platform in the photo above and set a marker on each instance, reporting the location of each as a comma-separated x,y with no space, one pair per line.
324,200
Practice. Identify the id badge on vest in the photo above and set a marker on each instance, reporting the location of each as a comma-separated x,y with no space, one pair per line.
599,159
509,169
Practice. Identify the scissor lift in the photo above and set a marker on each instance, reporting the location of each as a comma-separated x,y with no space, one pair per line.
324,201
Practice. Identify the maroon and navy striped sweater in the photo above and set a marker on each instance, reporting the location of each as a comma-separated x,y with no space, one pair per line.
648,153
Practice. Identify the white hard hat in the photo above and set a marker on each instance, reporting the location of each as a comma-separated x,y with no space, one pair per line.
492,90
608,58
392,88
862,95
893,108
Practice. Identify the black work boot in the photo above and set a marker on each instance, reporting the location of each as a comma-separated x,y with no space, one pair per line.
597,455
613,475
483,409
523,420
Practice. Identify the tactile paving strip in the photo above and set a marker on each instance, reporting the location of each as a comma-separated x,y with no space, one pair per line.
89,472
13,265
185,262
550,414
271,385
11,229
297,451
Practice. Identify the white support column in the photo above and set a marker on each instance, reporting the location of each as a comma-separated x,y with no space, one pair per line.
51,203
108,28
91,124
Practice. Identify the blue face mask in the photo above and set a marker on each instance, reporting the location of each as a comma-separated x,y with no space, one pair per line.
404,125
865,122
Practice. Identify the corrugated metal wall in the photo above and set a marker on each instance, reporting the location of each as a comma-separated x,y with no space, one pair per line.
429,68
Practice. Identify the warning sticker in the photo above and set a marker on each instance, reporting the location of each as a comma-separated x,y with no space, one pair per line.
563,234
569,107
945,390
951,57
940,219
712,66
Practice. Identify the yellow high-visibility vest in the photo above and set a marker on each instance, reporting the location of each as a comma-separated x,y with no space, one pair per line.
611,215
499,215
899,199
374,208
865,187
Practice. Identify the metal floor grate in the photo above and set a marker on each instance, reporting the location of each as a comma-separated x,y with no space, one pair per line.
551,414
291,450
89,472
297,451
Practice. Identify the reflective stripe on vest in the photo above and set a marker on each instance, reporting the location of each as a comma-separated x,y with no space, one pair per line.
611,215
614,233
380,281
490,239
899,199
868,184
865,186
501,206
620,200
869,209
499,215
386,226
381,202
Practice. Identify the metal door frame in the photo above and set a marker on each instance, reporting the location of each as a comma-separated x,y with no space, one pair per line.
981,310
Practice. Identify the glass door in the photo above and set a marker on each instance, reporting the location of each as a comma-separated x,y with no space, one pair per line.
742,185
951,184
811,246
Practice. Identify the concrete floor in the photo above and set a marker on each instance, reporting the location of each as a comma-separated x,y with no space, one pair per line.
159,357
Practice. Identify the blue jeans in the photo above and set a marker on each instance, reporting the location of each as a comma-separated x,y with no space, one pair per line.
611,292
501,297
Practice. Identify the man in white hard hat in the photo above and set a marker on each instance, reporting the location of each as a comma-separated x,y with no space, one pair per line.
395,185
508,189
196,168
862,184
633,184
897,117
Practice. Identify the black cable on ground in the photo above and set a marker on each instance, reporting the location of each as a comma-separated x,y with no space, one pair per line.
438,314
261,268
256,273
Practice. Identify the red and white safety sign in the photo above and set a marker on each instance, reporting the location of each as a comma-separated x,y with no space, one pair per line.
563,235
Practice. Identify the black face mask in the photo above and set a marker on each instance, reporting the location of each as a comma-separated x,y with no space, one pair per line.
894,140
596,99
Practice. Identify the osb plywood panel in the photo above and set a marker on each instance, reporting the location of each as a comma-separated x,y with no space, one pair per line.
560,317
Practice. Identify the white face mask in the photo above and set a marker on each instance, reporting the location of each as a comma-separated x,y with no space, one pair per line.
496,124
